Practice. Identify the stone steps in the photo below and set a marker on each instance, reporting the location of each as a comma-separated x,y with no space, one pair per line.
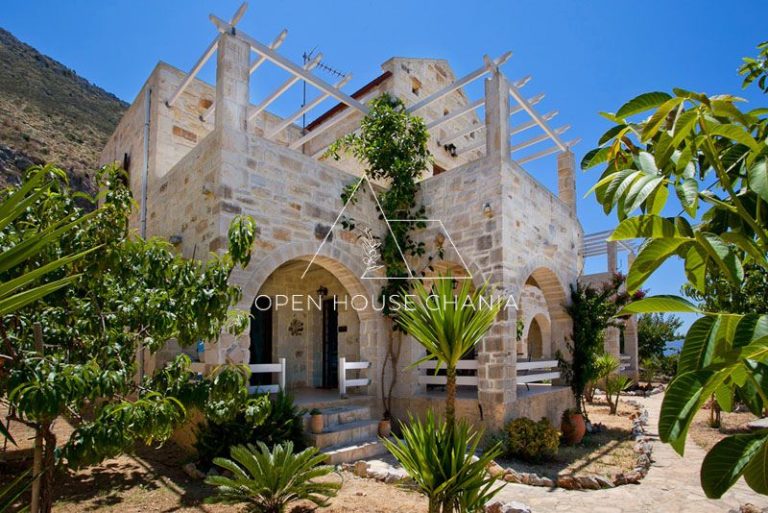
354,452
349,434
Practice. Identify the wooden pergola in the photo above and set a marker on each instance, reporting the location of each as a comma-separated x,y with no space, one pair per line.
268,52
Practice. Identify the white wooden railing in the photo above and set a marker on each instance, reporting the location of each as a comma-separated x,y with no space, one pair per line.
533,371
269,368
431,379
345,382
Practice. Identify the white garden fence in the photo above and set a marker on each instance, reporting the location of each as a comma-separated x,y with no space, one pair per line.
345,382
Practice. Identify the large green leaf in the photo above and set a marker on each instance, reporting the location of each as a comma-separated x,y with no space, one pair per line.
683,398
595,157
758,178
688,192
660,303
728,460
699,344
756,472
737,134
653,254
642,103
722,254
696,267
657,119
651,226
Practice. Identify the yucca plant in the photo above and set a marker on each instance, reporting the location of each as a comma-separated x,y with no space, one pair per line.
441,459
448,323
615,384
267,481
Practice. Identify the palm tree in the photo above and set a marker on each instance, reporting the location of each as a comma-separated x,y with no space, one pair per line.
448,323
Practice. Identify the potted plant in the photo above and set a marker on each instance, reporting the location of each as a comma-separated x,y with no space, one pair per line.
316,421
573,426
385,425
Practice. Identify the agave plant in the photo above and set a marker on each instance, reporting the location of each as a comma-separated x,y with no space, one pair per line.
267,481
441,459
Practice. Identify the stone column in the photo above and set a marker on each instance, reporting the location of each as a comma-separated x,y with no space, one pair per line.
497,116
611,342
496,373
612,256
232,83
566,180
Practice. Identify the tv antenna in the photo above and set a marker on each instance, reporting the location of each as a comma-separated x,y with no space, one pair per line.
307,57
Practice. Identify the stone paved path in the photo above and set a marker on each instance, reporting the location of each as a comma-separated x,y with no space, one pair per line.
672,485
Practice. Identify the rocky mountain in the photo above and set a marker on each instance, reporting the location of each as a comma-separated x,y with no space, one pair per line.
48,113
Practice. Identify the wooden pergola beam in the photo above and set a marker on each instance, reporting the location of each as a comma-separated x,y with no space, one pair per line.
548,151
204,58
289,66
283,88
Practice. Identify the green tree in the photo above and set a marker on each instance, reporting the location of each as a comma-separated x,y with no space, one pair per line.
125,295
449,323
392,145
592,310
654,331
722,295
714,156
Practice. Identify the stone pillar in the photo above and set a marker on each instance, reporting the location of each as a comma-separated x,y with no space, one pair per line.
232,83
612,256
496,373
497,116
566,180
611,342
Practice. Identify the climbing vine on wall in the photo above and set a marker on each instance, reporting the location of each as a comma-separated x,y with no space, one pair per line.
392,145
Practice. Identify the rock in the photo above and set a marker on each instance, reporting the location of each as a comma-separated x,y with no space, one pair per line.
361,469
192,471
506,507
568,482
494,469
603,482
588,483
758,424
397,475
633,477
512,477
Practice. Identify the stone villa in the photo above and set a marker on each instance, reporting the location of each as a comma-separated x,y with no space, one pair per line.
199,154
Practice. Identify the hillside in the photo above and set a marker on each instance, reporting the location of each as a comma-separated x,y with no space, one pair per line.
50,114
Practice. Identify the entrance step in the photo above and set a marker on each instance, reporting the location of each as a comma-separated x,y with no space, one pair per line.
350,453
345,434
340,415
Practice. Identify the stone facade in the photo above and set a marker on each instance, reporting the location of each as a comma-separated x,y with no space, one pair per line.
503,226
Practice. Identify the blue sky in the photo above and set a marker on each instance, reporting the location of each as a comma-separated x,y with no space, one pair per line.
587,56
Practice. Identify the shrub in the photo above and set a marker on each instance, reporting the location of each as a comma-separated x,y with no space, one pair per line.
283,423
267,481
531,441
615,384
440,458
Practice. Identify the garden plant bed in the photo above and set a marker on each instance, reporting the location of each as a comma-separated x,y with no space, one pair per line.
152,481
731,423
616,455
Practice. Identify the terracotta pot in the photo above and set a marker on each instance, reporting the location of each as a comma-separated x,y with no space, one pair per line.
316,424
573,428
385,428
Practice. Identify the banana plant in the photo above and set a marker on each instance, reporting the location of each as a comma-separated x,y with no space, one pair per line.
713,157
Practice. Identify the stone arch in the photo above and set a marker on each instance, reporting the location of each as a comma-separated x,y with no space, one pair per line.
334,256
551,285
538,337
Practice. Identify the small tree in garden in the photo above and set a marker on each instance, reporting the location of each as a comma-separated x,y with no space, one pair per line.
654,332
392,145
448,322
124,294
714,156
593,311
267,481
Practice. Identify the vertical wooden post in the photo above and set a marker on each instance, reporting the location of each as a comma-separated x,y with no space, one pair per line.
282,374
37,465
342,377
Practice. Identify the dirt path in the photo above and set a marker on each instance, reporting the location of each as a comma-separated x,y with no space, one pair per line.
672,485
